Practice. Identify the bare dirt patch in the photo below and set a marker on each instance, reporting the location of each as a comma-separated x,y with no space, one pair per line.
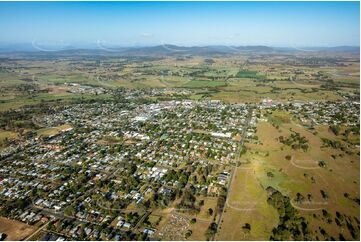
15,230
57,90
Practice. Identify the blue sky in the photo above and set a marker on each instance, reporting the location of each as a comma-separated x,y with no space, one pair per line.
181,23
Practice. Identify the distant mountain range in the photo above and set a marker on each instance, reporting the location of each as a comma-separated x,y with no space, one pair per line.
167,49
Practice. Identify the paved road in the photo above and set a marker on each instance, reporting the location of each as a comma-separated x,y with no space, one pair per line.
38,230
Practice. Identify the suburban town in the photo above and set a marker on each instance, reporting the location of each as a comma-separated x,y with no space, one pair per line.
109,170
180,121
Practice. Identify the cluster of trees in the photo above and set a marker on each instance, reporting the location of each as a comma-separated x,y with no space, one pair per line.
20,119
291,226
335,144
343,221
296,141
179,175
355,199
347,221
211,231
353,129
221,200
188,201
10,206
160,200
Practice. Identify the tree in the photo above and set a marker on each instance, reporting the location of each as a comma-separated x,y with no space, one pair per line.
270,174
335,129
246,227
210,211
69,211
299,198
341,237
322,163
211,231
324,194
188,234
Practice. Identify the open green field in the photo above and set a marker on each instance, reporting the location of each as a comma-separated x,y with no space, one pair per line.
247,203
204,83
249,74
6,136
21,101
301,173
243,78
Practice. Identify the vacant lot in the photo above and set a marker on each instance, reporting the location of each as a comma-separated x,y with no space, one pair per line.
48,132
15,230
247,203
